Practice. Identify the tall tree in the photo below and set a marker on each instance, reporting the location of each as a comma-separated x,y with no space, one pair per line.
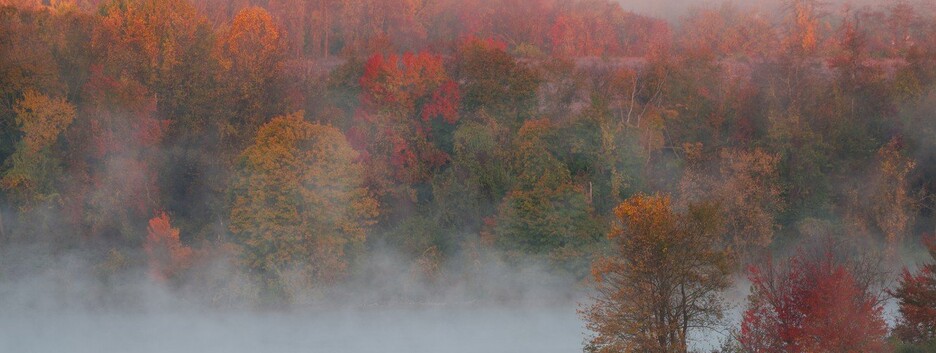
26,63
166,46
375,26
894,205
251,53
727,30
661,281
478,177
150,40
803,27
298,202
114,163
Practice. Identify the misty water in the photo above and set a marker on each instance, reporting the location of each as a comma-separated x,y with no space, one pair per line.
58,304
427,329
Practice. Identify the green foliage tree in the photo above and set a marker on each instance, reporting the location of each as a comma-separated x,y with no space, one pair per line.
494,82
544,213
477,178
602,153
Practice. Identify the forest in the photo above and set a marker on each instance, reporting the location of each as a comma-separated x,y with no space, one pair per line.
742,178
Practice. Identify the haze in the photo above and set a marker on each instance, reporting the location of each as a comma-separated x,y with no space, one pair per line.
673,176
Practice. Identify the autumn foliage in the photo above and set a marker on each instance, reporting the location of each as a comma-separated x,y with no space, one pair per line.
916,297
661,281
35,169
166,256
251,56
298,201
811,303
403,99
745,186
295,141
120,134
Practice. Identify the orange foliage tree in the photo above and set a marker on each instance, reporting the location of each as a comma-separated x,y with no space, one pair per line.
893,204
804,29
251,54
727,31
661,280
589,28
746,187
149,40
166,256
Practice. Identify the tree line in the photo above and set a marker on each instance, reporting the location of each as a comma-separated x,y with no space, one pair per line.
655,162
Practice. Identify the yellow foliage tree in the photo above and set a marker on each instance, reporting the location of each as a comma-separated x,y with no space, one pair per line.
34,167
893,205
298,201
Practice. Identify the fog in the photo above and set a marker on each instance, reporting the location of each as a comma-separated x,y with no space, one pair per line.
65,304
673,10
62,302
428,329
431,275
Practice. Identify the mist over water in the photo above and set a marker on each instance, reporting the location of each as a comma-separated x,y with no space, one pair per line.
465,176
428,329
61,303
674,10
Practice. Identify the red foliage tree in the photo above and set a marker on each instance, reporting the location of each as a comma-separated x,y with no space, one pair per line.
811,304
401,99
165,254
916,297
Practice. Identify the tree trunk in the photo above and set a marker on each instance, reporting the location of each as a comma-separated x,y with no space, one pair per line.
326,29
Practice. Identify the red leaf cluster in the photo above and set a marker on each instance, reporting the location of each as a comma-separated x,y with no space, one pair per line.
811,305
400,98
916,296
